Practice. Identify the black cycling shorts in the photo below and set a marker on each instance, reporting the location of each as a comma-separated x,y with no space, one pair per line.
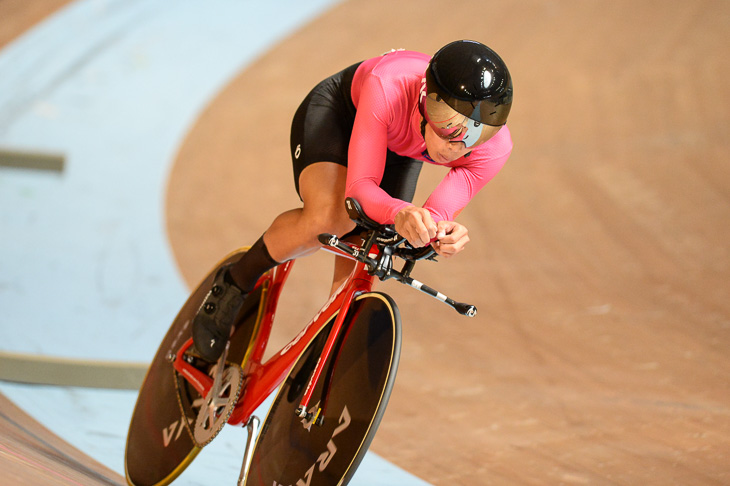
321,132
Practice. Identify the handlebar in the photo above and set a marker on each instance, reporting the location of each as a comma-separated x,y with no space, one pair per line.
390,244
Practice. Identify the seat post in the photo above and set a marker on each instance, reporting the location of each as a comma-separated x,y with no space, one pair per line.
253,430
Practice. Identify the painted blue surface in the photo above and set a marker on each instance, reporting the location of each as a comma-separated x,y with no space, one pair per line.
85,266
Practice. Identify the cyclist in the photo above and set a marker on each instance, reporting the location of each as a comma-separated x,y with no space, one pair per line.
365,132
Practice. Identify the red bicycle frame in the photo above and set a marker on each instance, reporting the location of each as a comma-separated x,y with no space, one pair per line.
263,378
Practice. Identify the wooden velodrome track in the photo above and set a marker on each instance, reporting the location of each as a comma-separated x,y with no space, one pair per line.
599,257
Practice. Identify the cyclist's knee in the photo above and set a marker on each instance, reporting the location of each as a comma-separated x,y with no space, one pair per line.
332,220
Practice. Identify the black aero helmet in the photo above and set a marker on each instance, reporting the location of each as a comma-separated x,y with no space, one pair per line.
467,86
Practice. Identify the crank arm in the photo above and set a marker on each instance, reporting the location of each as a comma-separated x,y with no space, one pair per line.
220,367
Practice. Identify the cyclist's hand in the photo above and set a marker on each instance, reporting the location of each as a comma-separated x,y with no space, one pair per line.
416,225
451,238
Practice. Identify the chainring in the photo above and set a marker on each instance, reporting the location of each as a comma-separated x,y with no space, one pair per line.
218,406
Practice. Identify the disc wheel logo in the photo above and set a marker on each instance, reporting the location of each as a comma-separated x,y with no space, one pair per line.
326,456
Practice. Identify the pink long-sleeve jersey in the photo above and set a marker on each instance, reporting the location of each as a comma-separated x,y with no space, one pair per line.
385,91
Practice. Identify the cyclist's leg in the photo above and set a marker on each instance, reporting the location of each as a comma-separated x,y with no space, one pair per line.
319,141
320,135
293,234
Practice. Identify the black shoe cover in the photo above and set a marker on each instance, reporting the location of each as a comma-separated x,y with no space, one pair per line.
213,322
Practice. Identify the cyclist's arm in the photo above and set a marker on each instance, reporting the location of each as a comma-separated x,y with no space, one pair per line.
464,181
367,153
458,188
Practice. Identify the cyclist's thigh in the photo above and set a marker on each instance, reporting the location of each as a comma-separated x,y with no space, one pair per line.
322,189
323,123
323,184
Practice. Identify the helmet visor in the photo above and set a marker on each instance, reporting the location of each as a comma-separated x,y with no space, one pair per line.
451,125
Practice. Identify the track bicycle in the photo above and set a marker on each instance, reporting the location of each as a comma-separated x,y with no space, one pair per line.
334,377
